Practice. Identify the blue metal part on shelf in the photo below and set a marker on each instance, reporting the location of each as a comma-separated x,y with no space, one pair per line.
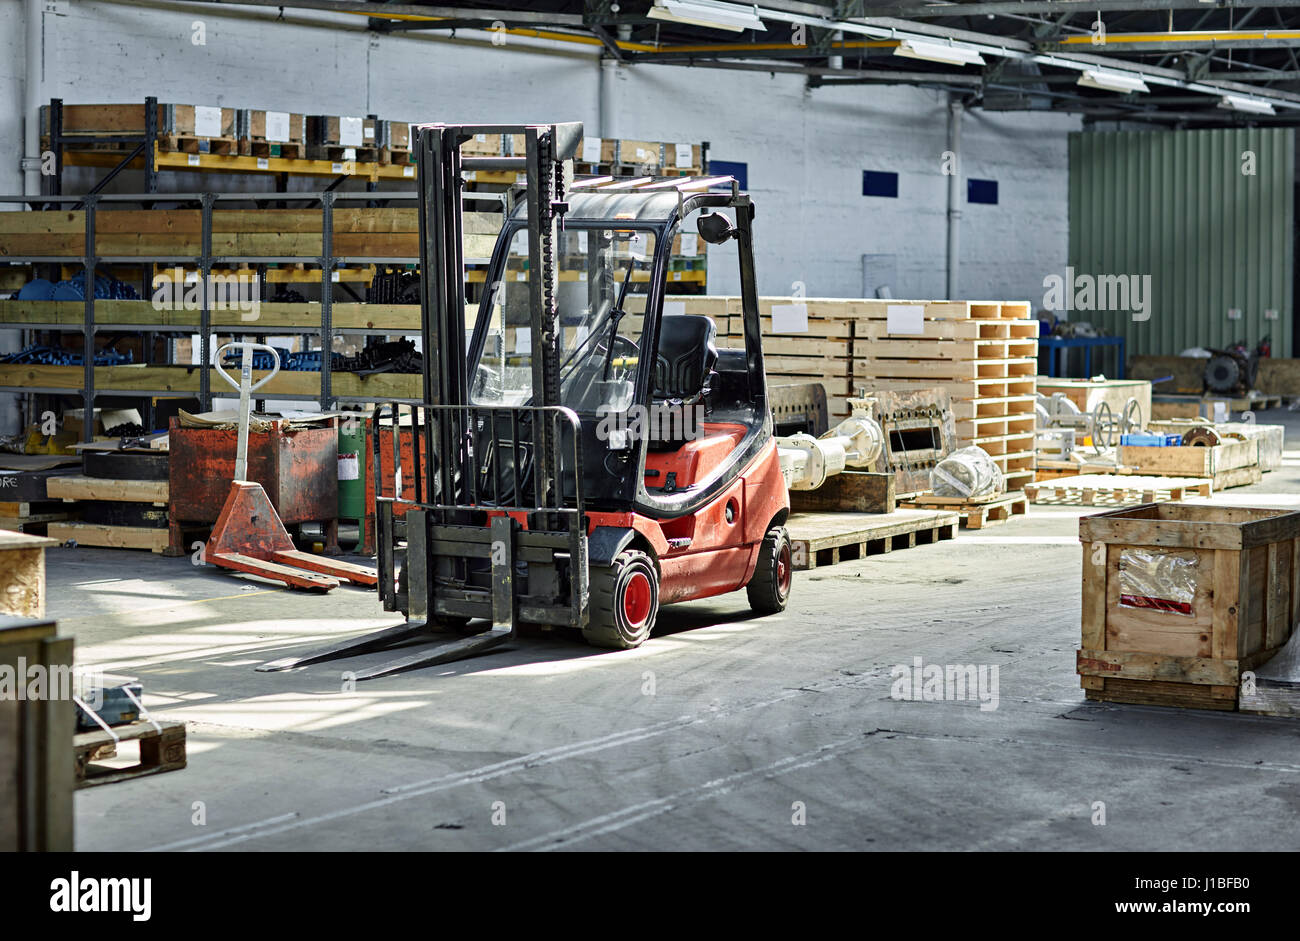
38,355
74,289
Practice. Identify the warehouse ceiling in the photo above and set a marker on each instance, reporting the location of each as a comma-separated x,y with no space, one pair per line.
1176,63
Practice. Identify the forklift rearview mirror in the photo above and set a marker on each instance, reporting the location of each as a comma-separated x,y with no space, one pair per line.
715,228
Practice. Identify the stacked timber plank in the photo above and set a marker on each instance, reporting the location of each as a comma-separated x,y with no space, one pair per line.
983,353
116,511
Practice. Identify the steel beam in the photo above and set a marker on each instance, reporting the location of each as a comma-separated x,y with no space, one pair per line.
1053,7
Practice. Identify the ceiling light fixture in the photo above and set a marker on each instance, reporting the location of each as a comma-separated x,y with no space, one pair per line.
1242,103
938,52
1111,81
716,15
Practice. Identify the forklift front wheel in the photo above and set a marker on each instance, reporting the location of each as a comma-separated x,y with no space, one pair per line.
624,602
769,588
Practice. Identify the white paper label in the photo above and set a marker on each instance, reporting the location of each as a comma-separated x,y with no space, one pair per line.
690,243
1220,411
674,307
905,318
408,171
263,163
582,242
349,154
207,121
481,138
789,318
350,131
334,276
192,160
349,467
684,155
591,149
1234,313
368,132
523,341
336,168
277,125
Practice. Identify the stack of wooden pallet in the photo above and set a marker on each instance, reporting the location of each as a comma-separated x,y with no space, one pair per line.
983,353
121,498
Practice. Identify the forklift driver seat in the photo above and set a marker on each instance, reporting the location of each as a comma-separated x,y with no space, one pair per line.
687,355
683,368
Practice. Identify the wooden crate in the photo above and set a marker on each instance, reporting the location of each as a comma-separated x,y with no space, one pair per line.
1186,647
22,574
1215,462
36,777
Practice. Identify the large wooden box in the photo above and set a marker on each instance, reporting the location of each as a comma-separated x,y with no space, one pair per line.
36,767
1191,461
1180,598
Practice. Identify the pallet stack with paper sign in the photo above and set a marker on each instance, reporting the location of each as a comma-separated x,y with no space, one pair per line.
983,353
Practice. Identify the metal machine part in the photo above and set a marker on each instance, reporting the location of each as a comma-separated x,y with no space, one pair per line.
806,462
1101,425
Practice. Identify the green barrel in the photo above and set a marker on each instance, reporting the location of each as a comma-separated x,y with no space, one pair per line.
353,452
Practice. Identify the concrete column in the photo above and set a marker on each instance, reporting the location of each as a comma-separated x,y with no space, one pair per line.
32,90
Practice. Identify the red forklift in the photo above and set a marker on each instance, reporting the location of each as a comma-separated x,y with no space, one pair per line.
580,456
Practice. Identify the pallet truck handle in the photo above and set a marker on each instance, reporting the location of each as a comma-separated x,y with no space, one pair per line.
246,387
245,344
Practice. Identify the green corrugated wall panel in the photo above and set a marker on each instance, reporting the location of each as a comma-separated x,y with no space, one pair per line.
1175,205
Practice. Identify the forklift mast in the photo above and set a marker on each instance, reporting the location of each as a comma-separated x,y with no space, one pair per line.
440,165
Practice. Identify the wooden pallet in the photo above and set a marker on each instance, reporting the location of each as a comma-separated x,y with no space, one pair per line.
33,523
201,145
1116,490
977,513
162,748
818,539
289,150
110,537
340,154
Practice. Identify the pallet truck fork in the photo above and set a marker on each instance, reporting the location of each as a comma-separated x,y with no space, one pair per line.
580,458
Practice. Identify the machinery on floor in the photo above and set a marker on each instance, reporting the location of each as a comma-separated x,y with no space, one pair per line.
1063,426
582,458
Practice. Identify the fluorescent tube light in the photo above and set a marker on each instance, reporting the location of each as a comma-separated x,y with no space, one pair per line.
1111,81
1241,103
938,52
716,15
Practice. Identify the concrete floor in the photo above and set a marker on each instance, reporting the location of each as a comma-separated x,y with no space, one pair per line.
718,734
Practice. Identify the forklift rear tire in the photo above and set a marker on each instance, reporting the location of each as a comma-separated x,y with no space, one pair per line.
624,602
769,588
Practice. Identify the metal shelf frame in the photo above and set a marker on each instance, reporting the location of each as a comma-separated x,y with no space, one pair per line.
205,262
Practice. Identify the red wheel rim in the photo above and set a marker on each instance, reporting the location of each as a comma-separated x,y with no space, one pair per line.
784,570
637,599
